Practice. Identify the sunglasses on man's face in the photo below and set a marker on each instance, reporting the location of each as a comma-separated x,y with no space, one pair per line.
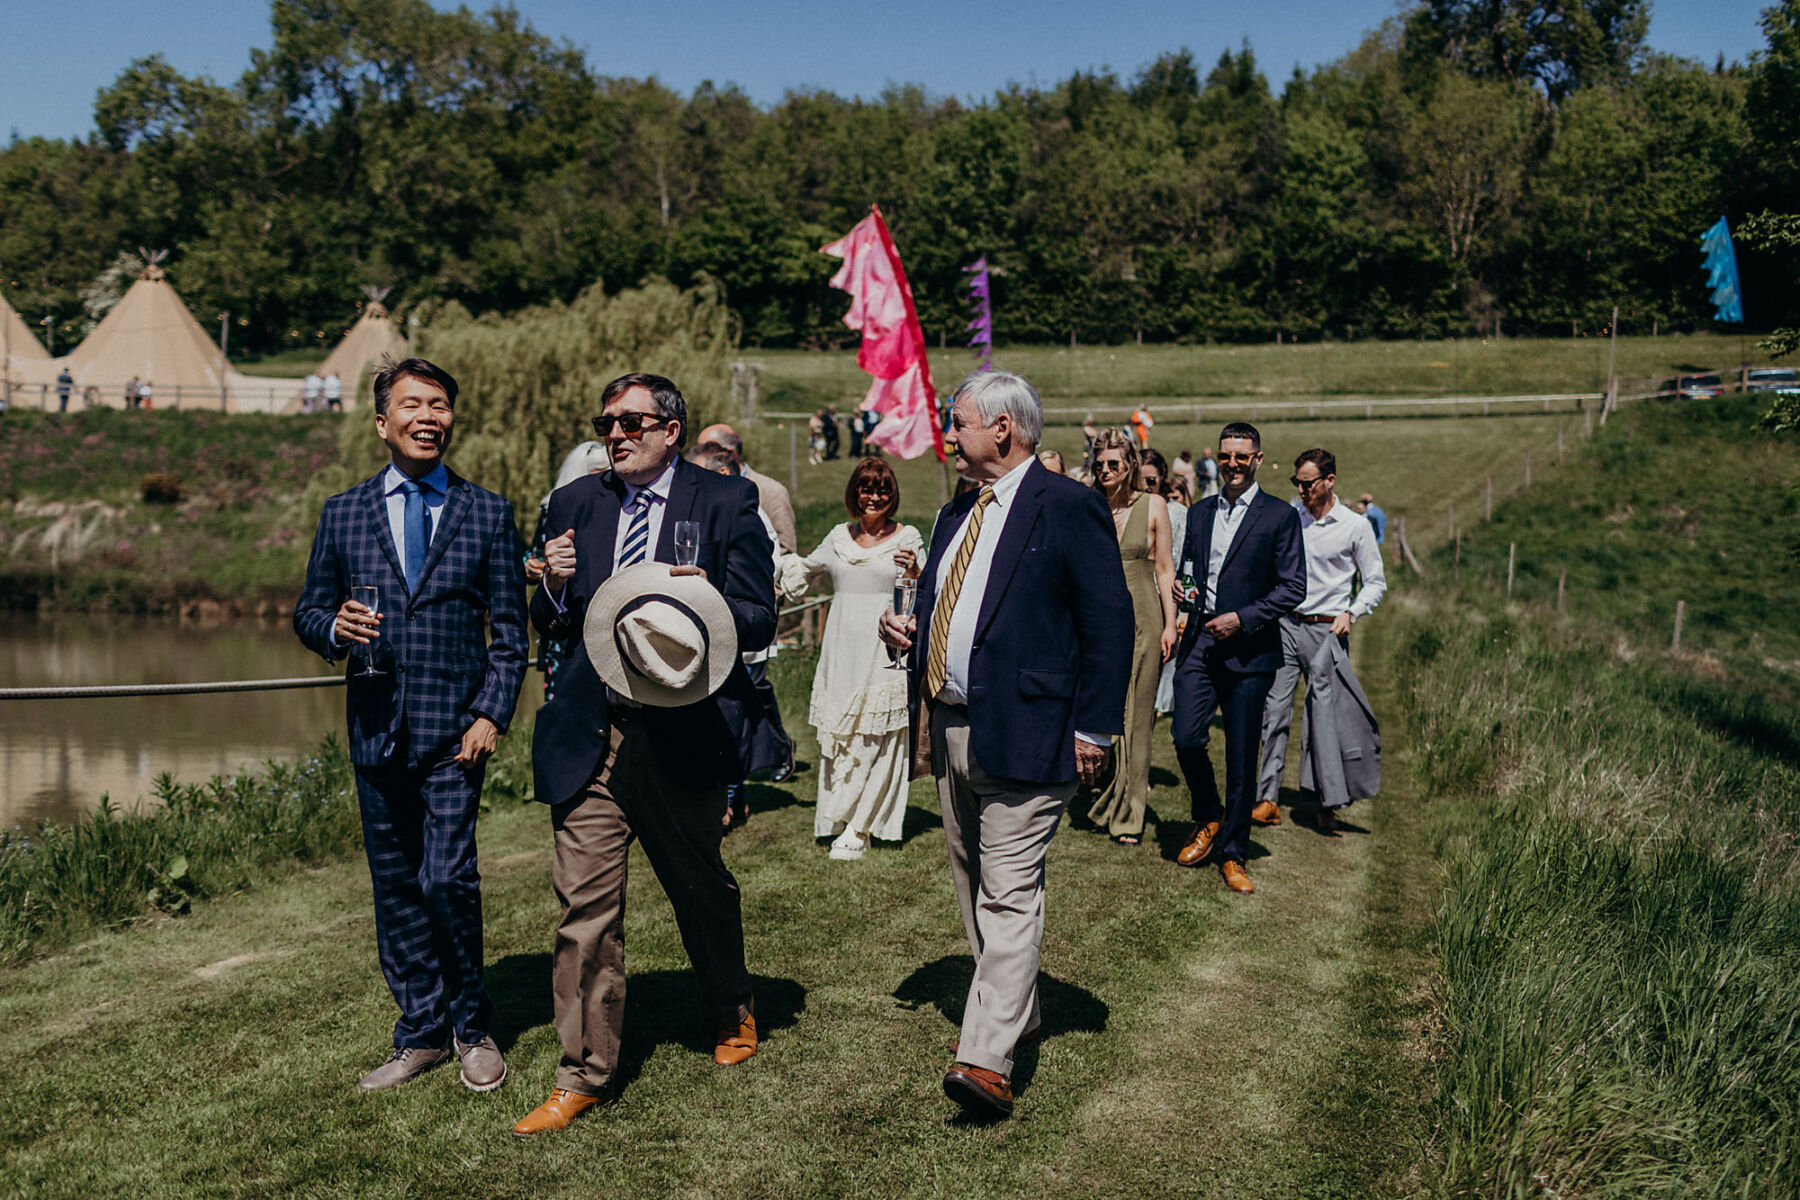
630,424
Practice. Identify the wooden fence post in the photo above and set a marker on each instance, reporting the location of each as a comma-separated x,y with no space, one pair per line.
1562,581
793,460
1680,612
1511,555
1559,448
1406,548
1587,434
1450,523
1490,497
1528,470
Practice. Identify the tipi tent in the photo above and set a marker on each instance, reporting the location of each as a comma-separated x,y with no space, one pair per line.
372,337
150,334
16,339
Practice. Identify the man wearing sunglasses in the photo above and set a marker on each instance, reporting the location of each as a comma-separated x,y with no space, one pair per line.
1244,547
1340,545
613,771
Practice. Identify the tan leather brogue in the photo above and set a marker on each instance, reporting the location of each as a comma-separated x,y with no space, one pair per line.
737,1038
1236,878
1199,846
558,1112
979,1090
1266,812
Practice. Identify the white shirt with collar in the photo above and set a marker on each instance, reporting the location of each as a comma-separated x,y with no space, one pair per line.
436,486
1227,519
1338,545
961,645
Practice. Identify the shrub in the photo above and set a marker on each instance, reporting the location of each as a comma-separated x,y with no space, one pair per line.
163,487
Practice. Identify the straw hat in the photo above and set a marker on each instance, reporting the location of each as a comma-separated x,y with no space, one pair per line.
661,639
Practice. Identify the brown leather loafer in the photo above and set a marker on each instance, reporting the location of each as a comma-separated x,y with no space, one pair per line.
979,1090
1199,846
737,1038
1236,878
1266,812
558,1112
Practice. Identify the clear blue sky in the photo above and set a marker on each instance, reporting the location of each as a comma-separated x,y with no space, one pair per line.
58,55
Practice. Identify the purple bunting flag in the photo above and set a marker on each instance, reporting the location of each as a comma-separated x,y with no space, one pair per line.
982,326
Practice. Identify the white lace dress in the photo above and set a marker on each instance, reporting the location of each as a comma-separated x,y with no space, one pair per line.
858,705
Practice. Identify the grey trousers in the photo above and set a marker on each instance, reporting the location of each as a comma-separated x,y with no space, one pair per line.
1300,642
998,831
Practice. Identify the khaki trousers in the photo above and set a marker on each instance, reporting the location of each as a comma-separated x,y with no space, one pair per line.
998,831
632,796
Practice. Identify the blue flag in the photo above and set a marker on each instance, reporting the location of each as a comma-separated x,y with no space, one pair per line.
1721,273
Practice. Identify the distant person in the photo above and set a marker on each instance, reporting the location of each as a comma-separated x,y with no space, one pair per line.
1053,461
858,699
1249,569
146,394
870,419
1183,468
333,388
312,391
445,558
771,494
1208,474
828,426
65,383
855,423
589,458
1089,431
1365,504
815,438
1340,545
1141,425
133,392
1157,481
1141,525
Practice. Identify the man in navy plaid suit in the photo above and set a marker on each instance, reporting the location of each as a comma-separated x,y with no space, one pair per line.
446,558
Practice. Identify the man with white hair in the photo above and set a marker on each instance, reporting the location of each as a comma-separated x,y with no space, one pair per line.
1023,631
772,495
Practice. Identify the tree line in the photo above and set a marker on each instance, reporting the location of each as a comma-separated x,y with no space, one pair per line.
1472,166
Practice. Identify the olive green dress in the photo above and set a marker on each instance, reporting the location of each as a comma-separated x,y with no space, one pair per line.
1120,809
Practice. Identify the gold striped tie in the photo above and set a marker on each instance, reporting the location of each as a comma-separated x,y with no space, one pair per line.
937,665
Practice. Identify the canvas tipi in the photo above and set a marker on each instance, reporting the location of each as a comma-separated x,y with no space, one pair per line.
16,339
373,337
150,334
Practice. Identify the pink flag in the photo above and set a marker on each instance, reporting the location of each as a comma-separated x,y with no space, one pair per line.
893,346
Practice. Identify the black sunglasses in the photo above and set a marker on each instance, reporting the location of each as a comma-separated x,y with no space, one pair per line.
1305,485
630,424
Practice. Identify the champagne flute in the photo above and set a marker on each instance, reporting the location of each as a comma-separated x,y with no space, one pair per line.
687,543
906,593
369,596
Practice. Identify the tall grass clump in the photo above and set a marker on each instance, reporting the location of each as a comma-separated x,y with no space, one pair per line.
59,882
530,381
1619,940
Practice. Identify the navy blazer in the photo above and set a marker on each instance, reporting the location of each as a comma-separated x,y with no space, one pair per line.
1263,577
697,741
441,670
1053,639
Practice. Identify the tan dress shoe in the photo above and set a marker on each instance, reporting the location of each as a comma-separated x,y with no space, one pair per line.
979,1090
1199,846
1236,878
1266,812
737,1039
406,1064
558,1112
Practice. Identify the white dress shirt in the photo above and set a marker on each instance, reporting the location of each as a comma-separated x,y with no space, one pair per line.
1338,545
974,586
1227,517
435,485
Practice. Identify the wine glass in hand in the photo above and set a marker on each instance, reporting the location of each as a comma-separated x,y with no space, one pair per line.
906,593
369,596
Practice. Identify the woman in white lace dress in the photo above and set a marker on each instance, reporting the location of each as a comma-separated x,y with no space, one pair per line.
858,704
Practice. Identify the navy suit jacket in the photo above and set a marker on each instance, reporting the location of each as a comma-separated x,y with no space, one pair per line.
699,741
1053,640
441,670
1263,577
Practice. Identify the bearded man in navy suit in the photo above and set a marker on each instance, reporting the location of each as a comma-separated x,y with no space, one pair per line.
445,559
1246,554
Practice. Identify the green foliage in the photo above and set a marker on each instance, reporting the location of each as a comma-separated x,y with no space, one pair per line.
1549,171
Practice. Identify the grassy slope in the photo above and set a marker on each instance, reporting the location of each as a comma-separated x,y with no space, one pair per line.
1198,1043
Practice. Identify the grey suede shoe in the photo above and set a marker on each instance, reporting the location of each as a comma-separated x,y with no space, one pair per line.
483,1069
406,1065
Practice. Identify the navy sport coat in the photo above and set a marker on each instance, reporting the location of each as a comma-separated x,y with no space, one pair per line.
699,741
1053,640
1263,577
441,669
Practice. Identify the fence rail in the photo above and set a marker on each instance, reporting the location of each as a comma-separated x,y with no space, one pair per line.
242,395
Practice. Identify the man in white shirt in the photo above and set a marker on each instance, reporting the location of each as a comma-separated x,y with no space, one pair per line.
333,388
312,388
1340,544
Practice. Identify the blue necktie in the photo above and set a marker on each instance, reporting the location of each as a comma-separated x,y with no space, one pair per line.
637,537
417,524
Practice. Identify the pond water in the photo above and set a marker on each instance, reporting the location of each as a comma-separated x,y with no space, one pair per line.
57,757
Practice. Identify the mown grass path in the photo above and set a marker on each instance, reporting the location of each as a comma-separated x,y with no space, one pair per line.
1199,1043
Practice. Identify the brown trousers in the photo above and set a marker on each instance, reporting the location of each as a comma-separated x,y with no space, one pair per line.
632,796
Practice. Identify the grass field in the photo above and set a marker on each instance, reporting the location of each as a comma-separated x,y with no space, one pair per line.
1110,377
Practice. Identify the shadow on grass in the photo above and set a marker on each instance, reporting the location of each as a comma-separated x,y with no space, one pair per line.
1067,1008
768,797
660,1007
918,820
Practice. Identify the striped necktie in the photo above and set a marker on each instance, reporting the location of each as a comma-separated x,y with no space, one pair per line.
937,664
637,538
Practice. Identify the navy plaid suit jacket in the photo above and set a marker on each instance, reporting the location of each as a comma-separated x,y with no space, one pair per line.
442,671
